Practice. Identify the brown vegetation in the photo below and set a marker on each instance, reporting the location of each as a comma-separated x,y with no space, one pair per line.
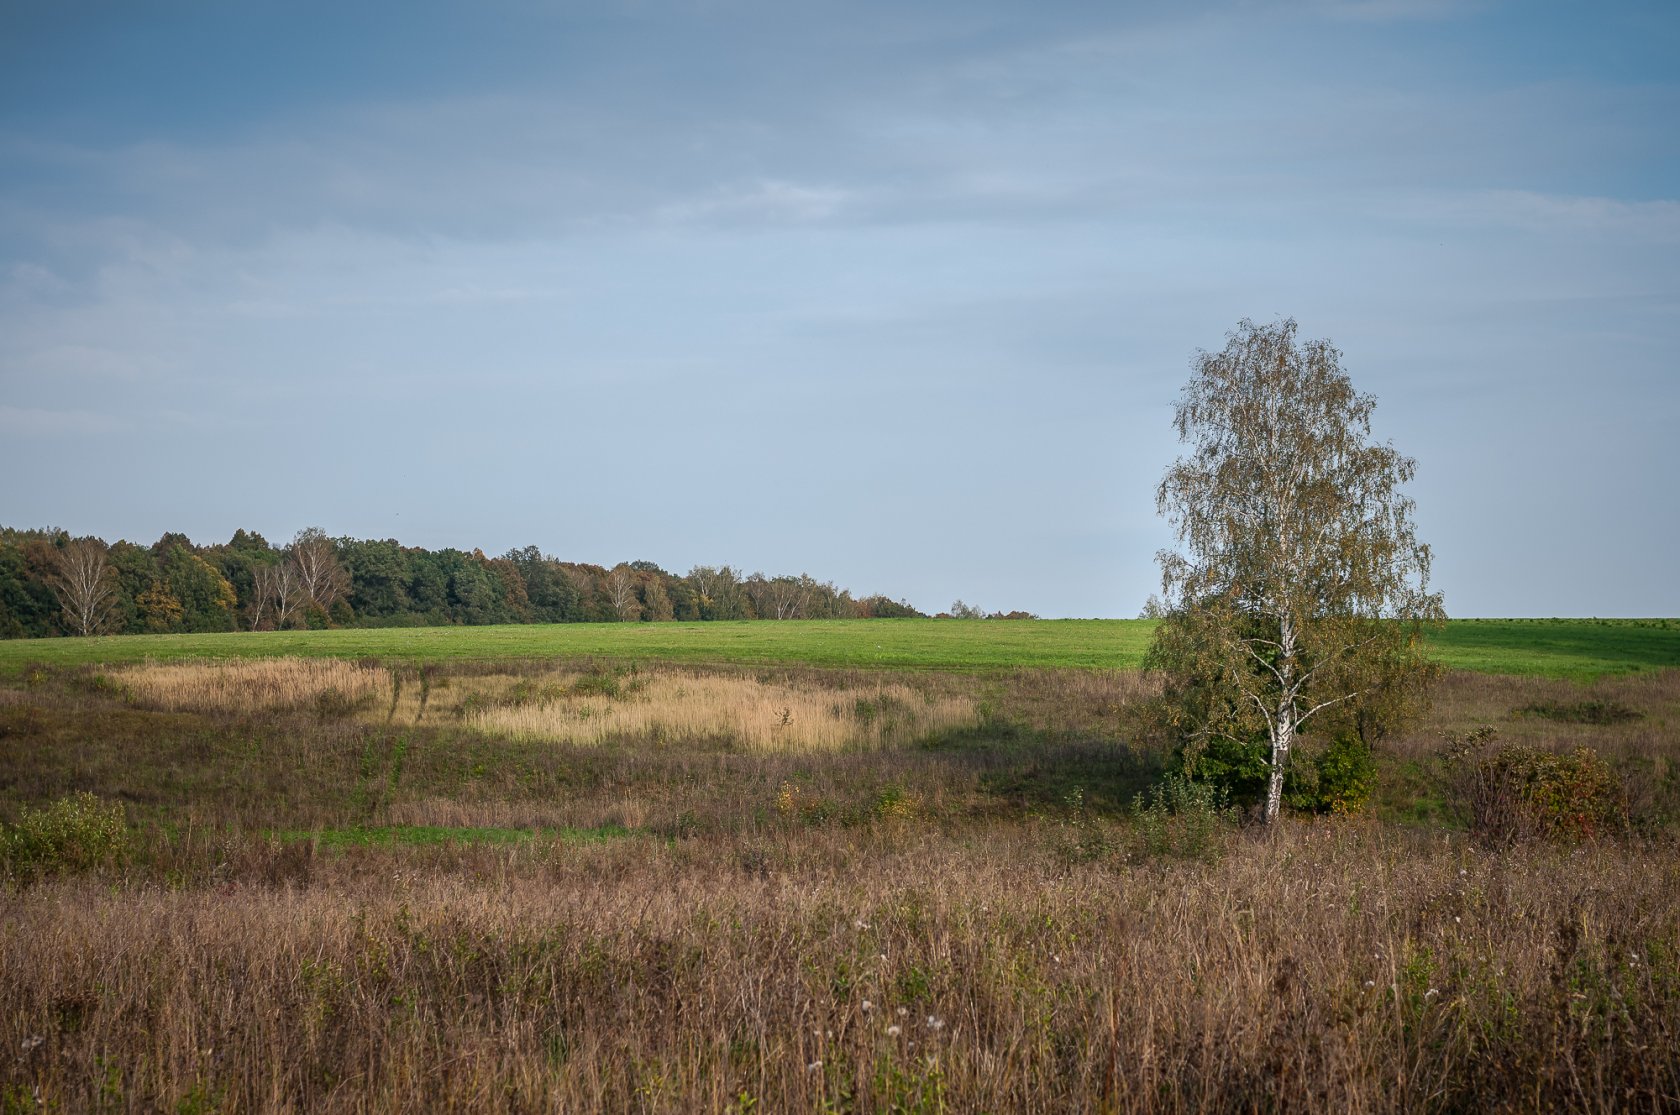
982,890
253,685
897,968
678,708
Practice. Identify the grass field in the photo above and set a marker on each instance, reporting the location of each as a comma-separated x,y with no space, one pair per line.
1570,648
918,882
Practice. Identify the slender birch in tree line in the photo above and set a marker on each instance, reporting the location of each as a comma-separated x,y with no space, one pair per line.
85,585
314,556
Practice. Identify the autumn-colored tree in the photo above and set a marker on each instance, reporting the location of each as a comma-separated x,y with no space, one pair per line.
550,591
208,601
516,597
159,609
717,592
781,597
656,602
174,585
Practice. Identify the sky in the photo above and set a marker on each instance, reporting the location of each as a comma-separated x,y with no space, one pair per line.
898,295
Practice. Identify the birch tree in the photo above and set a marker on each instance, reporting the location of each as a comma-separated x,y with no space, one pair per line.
1301,589
315,559
621,590
278,591
717,591
85,584
780,597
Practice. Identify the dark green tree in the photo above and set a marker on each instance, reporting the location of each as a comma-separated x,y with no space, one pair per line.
379,578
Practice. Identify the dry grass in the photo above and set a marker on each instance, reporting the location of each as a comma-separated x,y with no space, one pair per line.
249,686
684,708
1333,969
720,958
1464,701
785,712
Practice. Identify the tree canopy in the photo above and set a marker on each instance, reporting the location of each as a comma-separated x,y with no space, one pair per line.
53,584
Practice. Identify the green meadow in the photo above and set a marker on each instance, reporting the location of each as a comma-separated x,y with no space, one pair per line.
1581,649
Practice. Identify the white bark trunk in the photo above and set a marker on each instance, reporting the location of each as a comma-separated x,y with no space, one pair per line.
1283,736
83,585
1283,725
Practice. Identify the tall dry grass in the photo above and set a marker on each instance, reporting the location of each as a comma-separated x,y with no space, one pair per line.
900,969
745,712
1465,701
780,713
250,686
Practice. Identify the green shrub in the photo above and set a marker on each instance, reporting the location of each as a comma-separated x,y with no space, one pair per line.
1513,793
1337,780
74,834
333,703
896,801
1182,819
1081,837
1237,769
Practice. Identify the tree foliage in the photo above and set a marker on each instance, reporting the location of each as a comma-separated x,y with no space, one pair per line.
1298,599
317,580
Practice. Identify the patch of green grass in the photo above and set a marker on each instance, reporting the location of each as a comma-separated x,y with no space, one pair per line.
384,836
1580,649
895,644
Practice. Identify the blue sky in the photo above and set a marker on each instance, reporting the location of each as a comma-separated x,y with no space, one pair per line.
898,295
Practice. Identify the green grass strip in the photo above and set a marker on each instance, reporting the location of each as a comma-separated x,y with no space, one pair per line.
1554,648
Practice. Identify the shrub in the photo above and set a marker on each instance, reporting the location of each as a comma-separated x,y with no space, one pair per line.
598,685
1512,793
795,802
333,703
1235,769
1080,837
74,834
1182,819
895,801
1337,780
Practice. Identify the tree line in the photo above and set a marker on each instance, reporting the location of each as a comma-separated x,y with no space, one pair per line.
54,584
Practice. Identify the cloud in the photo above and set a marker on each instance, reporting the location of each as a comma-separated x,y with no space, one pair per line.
1394,11
767,238
1640,221
42,422
31,280
1608,220
769,201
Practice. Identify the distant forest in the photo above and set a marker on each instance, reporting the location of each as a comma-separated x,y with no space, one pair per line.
54,584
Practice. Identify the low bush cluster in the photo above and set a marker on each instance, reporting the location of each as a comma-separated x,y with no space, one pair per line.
1511,793
76,834
1182,819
